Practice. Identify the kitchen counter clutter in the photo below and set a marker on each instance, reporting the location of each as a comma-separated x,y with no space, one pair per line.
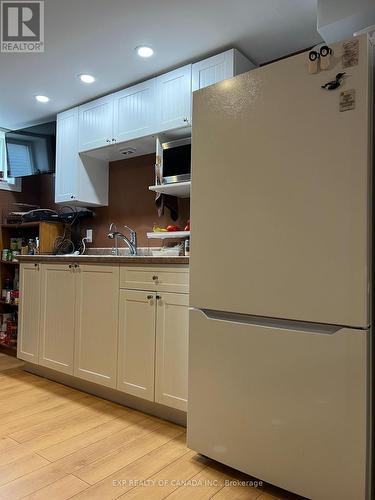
116,323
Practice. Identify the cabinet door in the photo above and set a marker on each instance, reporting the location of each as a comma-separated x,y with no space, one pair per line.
66,183
96,323
134,111
174,99
137,343
213,69
96,123
172,329
56,347
29,317
79,179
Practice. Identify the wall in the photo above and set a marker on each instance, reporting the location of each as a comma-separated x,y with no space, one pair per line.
31,193
130,202
339,19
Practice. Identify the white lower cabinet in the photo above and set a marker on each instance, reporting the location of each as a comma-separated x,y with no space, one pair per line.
97,288
75,319
57,311
153,346
172,332
136,357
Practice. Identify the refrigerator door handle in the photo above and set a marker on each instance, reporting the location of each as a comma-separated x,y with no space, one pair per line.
282,324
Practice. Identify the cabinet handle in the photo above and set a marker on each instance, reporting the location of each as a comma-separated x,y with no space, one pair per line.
107,140
155,278
149,297
36,265
158,297
113,140
70,266
76,266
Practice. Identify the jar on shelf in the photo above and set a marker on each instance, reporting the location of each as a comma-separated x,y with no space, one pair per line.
31,246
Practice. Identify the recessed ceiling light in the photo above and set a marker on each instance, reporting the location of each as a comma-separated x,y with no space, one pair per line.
42,98
144,51
86,78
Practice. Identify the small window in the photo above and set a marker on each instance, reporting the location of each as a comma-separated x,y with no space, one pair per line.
20,161
6,183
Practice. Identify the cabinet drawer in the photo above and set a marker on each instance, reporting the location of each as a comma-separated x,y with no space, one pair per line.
163,279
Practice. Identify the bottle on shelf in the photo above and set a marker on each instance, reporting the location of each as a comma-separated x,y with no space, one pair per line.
16,279
187,247
5,292
32,247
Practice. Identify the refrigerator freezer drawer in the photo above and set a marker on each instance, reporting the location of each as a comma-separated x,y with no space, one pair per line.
287,406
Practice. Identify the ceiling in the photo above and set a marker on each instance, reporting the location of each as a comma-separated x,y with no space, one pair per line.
99,36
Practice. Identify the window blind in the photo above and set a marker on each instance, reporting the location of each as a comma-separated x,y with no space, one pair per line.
19,159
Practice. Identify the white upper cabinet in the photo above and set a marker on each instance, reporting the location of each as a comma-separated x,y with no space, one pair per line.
157,105
80,180
96,123
220,67
134,111
174,99
67,156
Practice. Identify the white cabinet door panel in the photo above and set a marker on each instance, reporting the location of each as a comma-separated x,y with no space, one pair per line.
213,70
56,350
29,319
96,123
174,99
80,180
96,323
67,177
134,111
137,343
172,330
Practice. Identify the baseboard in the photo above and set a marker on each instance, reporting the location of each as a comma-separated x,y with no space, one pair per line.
155,409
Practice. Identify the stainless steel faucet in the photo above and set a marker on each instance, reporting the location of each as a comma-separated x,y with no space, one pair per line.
116,236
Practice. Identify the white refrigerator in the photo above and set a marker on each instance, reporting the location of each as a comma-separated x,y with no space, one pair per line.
280,280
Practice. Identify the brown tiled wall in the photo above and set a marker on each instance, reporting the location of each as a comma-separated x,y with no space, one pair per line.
130,201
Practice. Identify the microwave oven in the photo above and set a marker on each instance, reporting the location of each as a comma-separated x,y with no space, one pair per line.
176,161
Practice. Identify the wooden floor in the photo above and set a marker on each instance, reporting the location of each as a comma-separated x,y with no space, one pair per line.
58,443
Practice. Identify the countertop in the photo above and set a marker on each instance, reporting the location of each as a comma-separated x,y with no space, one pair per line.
105,259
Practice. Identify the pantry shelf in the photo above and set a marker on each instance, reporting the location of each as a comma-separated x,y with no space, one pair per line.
178,189
8,303
168,235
